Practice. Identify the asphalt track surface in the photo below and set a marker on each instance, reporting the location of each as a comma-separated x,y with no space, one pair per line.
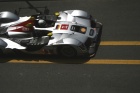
114,69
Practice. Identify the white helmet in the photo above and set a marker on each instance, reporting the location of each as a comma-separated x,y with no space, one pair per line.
42,23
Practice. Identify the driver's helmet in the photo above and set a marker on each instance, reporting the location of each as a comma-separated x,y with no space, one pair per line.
42,23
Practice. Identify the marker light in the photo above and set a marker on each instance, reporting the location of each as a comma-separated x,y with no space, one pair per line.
57,13
50,34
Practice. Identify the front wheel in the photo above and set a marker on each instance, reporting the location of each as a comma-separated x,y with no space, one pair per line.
67,51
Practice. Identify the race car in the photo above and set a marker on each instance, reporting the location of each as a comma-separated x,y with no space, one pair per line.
69,33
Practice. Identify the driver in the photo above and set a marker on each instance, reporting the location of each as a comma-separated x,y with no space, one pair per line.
42,23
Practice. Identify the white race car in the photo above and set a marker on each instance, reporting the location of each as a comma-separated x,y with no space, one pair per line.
69,33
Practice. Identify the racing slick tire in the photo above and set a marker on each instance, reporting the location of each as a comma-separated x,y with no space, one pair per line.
67,51
98,39
99,25
1,53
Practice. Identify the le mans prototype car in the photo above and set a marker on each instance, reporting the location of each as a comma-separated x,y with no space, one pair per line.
69,33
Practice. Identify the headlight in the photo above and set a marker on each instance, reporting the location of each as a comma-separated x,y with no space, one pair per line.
57,13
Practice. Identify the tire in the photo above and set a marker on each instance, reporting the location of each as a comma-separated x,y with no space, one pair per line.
67,51
18,52
98,40
31,48
99,25
1,52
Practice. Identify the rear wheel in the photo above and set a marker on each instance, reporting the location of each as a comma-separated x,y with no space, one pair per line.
67,51
1,52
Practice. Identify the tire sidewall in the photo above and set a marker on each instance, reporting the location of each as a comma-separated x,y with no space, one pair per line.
67,51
